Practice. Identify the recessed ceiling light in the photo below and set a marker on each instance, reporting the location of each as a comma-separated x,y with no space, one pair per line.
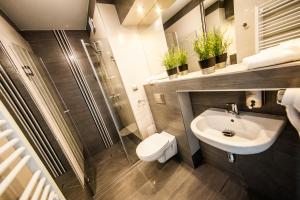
140,9
158,10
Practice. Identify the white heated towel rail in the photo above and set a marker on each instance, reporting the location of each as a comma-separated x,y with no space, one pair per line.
16,154
277,21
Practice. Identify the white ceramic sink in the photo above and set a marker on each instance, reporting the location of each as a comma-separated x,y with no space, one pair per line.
252,132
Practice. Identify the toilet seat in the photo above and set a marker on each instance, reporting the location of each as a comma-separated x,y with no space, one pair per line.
152,147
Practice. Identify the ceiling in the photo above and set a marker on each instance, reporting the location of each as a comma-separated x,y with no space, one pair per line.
47,14
173,9
145,12
178,5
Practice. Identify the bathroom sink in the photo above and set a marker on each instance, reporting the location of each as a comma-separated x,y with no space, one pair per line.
246,133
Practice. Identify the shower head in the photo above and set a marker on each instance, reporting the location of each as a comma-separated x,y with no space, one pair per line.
97,46
94,46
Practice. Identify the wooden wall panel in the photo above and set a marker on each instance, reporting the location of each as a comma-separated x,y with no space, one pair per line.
168,118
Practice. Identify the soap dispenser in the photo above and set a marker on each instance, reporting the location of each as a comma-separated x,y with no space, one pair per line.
254,99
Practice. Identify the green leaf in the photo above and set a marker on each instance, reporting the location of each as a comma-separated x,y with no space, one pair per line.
169,59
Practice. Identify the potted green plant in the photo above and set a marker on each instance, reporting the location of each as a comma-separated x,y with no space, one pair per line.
220,47
203,46
181,57
170,63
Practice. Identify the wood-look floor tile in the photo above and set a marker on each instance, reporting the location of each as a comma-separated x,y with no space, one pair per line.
125,187
174,180
164,182
232,191
147,191
205,182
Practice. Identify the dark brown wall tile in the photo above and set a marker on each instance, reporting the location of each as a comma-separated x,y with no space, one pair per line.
45,46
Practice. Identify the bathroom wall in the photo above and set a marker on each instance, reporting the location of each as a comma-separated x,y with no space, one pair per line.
154,45
275,173
188,24
168,117
131,60
244,12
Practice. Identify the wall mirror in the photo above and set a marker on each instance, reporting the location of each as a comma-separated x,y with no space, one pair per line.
236,19
185,20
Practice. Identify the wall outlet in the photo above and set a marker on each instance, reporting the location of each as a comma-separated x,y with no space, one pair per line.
254,99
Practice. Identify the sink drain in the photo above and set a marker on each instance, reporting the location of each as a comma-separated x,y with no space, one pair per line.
228,133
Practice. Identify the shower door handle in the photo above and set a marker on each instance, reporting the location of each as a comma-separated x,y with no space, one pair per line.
27,70
115,97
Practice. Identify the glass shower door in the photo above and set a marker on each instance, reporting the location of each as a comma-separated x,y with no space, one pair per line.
109,80
50,110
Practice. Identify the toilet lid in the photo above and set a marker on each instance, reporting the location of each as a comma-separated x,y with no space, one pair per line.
152,145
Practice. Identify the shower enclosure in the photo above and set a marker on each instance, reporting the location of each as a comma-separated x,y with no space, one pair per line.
80,104
45,121
110,83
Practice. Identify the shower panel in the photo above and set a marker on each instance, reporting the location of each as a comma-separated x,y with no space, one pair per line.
47,104
110,83
84,87
11,95
59,149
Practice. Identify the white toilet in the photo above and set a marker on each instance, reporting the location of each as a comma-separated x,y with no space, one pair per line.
159,146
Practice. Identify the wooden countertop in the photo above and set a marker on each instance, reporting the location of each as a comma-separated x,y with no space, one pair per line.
278,76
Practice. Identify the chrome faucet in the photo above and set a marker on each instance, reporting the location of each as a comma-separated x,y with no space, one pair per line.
232,108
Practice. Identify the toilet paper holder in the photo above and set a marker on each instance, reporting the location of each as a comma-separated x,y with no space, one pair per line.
280,94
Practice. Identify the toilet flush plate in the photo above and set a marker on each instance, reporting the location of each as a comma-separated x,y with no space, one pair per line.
159,98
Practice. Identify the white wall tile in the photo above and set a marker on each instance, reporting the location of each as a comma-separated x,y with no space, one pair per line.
131,59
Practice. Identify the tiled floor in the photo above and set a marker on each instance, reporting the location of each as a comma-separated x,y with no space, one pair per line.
113,163
172,180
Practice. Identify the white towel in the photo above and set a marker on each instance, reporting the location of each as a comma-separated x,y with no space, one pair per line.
157,77
291,100
291,97
285,52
